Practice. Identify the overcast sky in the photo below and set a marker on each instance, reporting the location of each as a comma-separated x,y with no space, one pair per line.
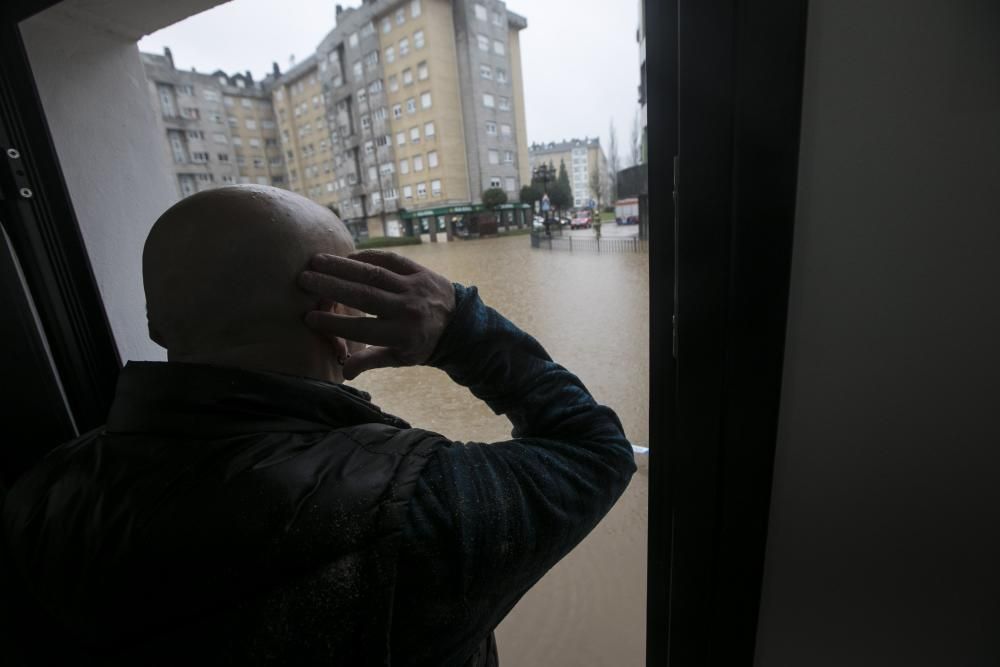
580,57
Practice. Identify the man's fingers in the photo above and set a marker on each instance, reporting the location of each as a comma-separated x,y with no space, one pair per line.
368,359
387,260
358,271
356,295
360,329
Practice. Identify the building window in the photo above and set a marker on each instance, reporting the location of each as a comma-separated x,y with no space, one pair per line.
495,183
237,141
407,193
371,59
414,8
251,124
418,39
267,124
353,40
508,157
505,104
505,131
390,54
220,138
423,72
369,147
246,103
389,193
366,123
414,135
191,113
488,101
501,75
491,128
421,191
379,114
401,138
386,25
428,130
401,16
397,111
195,134
418,163
407,76
481,13
404,47
368,29
362,96
234,121
404,166
432,160
494,156
258,163
185,90
255,143
425,101
485,71
484,42
358,72
510,184
210,95
497,19
498,47
411,105
435,188
393,83
223,157
199,157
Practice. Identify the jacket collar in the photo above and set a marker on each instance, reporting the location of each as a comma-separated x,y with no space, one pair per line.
204,400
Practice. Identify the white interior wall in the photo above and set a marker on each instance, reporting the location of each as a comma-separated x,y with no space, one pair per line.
91,82
882,545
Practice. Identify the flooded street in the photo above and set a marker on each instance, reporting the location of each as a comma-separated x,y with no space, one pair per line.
590,311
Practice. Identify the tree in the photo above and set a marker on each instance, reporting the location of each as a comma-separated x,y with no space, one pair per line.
493,198
561,194
635,143
613,162
595,186
530,194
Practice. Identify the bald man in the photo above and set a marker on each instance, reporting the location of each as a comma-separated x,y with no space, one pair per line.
244,506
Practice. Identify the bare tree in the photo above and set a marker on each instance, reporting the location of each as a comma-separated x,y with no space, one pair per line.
635,144
613,163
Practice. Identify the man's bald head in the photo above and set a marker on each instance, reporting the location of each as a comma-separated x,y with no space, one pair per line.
220,267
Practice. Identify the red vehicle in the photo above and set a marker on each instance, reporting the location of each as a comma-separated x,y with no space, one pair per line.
582,220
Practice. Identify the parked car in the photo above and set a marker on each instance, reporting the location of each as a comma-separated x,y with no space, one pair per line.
580,222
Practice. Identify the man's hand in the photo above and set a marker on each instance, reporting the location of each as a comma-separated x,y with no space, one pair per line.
412,305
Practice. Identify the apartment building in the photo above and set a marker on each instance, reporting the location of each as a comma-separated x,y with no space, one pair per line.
586,165
217,128
300,106
426,110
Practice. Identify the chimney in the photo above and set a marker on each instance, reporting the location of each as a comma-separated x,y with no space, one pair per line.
169,56
340,10
275,69
249,77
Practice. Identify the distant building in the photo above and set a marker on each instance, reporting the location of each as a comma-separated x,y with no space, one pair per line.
217,129
425,106
584,158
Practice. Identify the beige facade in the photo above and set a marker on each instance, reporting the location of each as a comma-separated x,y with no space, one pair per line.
429,141
300,107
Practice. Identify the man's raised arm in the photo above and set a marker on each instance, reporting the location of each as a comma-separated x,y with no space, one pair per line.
487,520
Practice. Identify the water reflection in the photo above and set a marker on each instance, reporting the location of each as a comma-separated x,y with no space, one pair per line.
589,310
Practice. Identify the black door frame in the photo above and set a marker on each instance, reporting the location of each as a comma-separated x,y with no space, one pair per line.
737,69
45,236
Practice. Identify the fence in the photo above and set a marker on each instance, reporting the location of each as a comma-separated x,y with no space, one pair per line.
588,244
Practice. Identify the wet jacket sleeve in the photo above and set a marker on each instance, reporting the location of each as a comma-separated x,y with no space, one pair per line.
488,520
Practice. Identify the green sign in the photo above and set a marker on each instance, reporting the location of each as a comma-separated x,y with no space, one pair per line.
457,210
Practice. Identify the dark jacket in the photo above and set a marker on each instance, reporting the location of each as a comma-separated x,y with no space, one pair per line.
236,517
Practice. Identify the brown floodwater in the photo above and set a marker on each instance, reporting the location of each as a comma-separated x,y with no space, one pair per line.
590,311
